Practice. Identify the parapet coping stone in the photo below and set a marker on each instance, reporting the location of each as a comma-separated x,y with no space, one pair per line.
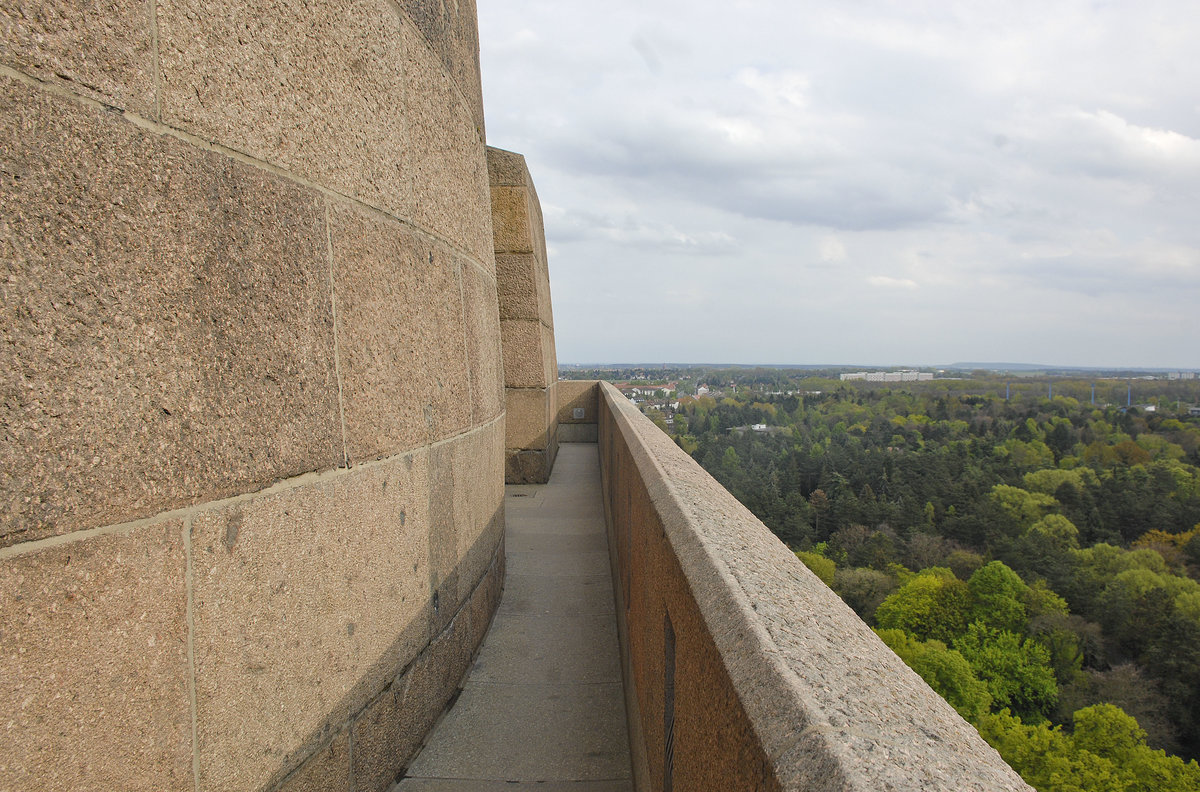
832,707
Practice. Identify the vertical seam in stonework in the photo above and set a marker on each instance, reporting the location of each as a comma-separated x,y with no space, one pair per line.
191,651
462,298
155,60
351,786
337,357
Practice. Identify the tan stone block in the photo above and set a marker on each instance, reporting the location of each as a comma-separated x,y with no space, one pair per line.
313,89
486,366
527,418
385,737
444,515
521,344
400,336
93,654
102,50
166,322
328,770
545,306
444,156
549,355
306,602
537,228
479,483
506,168
517,286
466,504
526,467
582,394
510,220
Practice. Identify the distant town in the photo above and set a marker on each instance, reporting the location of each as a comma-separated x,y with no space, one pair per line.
658,390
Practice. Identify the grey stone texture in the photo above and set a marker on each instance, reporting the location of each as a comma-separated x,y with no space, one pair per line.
93,654
778,683
166,322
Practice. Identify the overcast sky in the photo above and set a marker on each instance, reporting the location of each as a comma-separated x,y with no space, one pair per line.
859,182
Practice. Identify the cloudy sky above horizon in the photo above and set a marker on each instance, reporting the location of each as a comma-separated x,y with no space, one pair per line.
862,183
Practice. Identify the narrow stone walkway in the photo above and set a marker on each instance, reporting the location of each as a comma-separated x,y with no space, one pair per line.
542,707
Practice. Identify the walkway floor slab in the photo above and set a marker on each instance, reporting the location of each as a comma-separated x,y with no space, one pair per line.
542,707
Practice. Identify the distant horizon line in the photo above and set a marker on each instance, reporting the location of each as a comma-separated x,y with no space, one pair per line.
957,366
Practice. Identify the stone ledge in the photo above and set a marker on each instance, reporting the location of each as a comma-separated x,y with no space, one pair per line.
826,705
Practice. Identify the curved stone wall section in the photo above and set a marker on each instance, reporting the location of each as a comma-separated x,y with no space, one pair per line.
743,670
251,390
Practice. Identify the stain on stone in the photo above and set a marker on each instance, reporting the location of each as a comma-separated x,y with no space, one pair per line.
402,517
232,527
349,628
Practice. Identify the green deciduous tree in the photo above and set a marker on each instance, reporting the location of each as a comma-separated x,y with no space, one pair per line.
933,604
1016,670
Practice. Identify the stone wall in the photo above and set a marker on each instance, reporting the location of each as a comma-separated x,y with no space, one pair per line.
578,402
526,321
742,669
251,390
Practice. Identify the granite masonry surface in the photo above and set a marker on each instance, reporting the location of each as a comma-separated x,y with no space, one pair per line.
775,682
252,389
526,321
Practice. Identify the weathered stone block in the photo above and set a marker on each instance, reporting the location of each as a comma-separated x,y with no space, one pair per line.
444,156
577,394
549,355
479,483
102,50
510,220
310,88
517,285
527,419
451,33
485,363
524,362
306,602
506,168
315,90
400,335
526,467
466,498
383,736
93,654
328,770
166,322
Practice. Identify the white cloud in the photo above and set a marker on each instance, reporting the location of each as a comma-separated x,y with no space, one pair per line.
805,161
887,282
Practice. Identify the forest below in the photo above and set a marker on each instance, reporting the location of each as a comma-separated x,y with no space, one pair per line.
1034,558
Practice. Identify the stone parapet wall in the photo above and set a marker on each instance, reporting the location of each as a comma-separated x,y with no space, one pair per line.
526,320
578,406
252,390
742,669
